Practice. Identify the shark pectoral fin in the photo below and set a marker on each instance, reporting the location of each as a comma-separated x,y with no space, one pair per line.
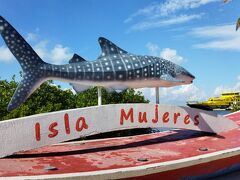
76,59
79,88
109,48
108,89
119,88
168,77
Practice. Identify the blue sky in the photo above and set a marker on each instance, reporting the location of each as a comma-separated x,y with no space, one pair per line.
197,34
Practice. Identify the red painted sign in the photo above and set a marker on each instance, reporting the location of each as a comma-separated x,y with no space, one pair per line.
51,128
144,117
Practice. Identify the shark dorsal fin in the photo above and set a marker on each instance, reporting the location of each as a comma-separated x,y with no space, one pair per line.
109,48
76,59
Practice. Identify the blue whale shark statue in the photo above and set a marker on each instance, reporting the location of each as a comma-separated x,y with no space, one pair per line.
114,69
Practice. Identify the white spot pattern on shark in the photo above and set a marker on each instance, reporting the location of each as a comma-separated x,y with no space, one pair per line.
115,68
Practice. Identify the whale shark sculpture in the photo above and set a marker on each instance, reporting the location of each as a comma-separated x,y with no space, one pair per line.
114,69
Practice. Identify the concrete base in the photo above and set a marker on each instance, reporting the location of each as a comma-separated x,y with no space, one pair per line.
171,154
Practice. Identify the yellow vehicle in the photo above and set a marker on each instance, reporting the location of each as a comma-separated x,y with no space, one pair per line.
225,101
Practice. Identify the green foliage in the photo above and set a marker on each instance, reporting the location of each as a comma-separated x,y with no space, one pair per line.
89,97
7,89
235,107
238,20
50,97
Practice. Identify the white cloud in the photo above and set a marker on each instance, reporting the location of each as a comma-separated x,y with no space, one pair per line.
215,31
172,6
222,37
167,8
155,23
222,89
150,10
59,54
165,13
231,44
153,48
171,54
175,95
166,53
238,78
31,37
41,49
5,54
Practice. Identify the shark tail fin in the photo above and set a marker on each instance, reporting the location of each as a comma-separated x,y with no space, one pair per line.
31,63
24,90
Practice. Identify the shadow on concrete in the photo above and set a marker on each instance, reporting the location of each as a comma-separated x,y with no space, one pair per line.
177,136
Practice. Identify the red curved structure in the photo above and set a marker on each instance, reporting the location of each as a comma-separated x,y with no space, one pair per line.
170,155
